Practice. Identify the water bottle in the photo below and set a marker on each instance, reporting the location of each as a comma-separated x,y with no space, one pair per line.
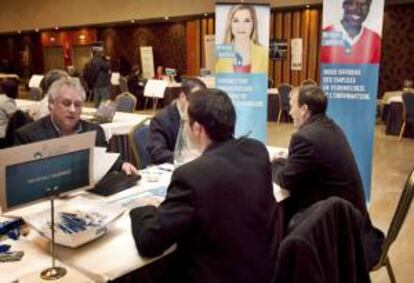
184,150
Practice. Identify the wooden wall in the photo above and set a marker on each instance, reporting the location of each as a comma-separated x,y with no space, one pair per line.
168,41
180,44
397,56
300,23
285,24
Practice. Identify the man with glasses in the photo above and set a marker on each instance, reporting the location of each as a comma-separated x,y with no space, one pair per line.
65,97
349,41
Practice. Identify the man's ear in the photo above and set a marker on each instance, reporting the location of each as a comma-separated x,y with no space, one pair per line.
50,105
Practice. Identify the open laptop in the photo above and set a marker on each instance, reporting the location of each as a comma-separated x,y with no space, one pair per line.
105,112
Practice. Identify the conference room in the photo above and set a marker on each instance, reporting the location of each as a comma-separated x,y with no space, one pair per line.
206,141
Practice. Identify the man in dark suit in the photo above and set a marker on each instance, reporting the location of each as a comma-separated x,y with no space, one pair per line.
320,162
65,105
219,208
165,125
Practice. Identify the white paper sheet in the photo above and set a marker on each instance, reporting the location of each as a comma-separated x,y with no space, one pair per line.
102,162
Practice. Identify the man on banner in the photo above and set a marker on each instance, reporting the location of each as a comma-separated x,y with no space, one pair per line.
348,41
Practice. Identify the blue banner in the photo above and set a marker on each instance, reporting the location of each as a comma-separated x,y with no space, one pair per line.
350,56
241,63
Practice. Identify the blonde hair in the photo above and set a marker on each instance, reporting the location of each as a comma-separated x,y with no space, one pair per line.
228,36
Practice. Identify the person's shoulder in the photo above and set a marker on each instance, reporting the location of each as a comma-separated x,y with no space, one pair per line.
167,113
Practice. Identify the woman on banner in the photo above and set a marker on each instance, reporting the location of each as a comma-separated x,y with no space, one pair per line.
242,32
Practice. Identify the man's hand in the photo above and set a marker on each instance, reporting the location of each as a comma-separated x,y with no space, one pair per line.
129,169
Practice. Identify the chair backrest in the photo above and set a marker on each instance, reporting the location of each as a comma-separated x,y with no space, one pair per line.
138,140
308,82
123,84
126,102
408,102
36,93
270,82
17,120
397,221
284,92
324,244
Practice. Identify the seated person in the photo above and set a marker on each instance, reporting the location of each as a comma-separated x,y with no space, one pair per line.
219,208
320,163
41,109
165,125
65,97
8,93
159,74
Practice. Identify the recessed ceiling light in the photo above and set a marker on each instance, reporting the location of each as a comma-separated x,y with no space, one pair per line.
166,18
132,21
37,30
56,27
19,31
205,14
307,6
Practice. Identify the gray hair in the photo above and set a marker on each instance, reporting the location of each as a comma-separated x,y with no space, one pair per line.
72,83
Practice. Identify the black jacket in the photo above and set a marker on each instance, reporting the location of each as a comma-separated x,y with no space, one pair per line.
220,211
324,246
43,129
320,165
163,135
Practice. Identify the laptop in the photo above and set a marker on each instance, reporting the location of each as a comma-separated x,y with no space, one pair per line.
105,112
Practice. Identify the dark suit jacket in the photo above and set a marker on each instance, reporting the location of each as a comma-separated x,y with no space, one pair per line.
320,165
324,246
220,211
43,129
163,135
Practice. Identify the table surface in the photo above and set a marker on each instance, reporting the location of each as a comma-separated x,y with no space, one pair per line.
117,244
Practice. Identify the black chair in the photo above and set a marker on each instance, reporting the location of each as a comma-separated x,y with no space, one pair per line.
308,82
284,94
138,140
123,84
17,120
397,221
408,111
270,83
324,245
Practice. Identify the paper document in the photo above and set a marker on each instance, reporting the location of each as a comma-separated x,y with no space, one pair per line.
102,162
279,193
77,221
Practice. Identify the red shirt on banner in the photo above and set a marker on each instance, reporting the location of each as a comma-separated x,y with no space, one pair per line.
365,49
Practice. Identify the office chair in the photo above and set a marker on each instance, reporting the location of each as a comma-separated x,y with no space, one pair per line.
397,221
138,140
126,102
408,111
284,106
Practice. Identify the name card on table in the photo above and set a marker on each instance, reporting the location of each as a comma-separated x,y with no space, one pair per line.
155,88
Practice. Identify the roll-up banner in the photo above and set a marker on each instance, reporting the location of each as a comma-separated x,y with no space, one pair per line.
350,57
241,63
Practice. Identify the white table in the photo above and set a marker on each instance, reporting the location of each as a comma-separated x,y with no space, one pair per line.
34,261
392,96
109,257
